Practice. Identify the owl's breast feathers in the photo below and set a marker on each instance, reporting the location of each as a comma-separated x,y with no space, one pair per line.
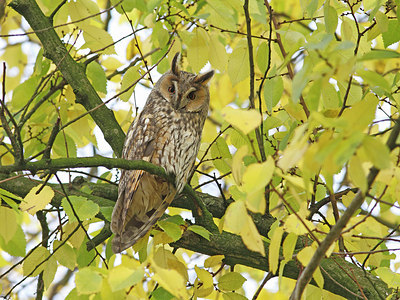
164,137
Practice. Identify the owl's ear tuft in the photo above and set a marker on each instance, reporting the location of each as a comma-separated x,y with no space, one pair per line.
174,64
204,78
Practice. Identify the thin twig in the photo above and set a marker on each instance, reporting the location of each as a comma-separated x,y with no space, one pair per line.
251,63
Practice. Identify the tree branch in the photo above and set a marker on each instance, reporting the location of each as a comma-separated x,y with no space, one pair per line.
336,230
73,72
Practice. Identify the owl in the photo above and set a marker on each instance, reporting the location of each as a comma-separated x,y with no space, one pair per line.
167,133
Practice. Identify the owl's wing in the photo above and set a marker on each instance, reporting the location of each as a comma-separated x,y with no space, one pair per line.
142,197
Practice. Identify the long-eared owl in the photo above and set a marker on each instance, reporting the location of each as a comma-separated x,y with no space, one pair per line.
166,133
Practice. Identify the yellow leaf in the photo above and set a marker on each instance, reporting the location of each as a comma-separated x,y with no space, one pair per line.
237,164
197,49
238,221
244,120
295,150
122,277
255,201
77,238
257,176
288,245
165,259
171,280
238,63
319,279
293,224
378,153
8,223
204,276
234,217
49,272
357,174
217,53
88,281
33,202
251,237
305,255
274,248
361,114
129,78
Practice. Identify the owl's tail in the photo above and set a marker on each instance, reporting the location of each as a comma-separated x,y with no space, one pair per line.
137,228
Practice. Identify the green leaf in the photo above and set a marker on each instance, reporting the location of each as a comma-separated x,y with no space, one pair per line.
73,295
233,296
220,151
17,245
200,230
331,18
262,57
65,255
301,79
213,261
375,80
391,278
34,202
173,230
330,96
88,281
23,92
273,90
392,35
377,152
64,146
129,78
122,277
84,208
50,271
8,223
379,54
106,211
10,198
97,77
231,281
97,38
161,294
34,259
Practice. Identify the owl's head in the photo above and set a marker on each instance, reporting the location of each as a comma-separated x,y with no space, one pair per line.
185,91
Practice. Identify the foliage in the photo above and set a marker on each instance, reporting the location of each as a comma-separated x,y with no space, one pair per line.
300,146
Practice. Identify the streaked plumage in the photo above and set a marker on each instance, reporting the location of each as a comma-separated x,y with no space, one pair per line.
166,133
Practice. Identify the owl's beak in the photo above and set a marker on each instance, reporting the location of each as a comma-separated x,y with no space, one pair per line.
180,102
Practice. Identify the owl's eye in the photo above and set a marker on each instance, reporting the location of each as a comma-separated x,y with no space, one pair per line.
192,95
171,89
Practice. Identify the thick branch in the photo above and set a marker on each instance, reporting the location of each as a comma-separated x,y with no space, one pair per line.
73,72
227,244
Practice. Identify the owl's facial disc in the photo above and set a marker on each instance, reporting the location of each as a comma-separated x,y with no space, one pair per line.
186,98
